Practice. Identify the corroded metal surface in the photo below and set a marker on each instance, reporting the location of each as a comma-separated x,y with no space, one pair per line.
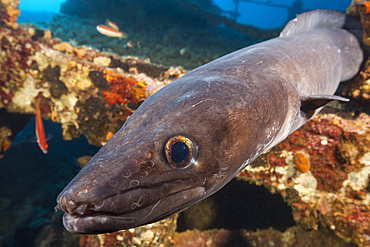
294,236
156,234
88,92
334,192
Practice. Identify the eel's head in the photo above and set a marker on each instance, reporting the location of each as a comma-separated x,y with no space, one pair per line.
182,144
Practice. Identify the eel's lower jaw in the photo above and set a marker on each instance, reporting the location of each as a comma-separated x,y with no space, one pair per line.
90,221
95,223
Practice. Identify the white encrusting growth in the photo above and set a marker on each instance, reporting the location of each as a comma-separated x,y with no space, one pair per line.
358,180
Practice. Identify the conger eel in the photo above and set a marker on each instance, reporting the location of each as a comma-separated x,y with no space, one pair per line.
193,136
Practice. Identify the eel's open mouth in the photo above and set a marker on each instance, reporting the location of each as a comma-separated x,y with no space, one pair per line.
85,213
87,219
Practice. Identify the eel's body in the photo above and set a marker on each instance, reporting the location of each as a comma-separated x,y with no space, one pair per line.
193,136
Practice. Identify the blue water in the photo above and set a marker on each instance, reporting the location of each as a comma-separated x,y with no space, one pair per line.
253,12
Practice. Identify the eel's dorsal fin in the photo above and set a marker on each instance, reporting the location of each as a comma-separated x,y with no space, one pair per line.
310,106
320,18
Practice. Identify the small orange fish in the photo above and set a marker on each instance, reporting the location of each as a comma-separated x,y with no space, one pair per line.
40,131
110,32
112,24
367,5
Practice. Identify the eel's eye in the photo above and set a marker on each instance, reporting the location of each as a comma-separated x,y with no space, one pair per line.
180,152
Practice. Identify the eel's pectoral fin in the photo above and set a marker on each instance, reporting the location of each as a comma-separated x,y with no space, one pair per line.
310,106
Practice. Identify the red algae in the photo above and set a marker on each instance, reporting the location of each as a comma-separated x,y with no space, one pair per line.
323,135
123,89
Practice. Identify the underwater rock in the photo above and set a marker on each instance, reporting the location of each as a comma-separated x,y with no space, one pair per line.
57,87
195,238
292,237
362,8
333,190
70,82
359,88
9,12
155,234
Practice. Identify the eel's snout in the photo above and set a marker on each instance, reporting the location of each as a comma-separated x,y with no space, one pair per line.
69,202
81,209
63,204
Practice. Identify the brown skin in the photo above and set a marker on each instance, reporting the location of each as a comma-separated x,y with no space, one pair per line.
233,109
